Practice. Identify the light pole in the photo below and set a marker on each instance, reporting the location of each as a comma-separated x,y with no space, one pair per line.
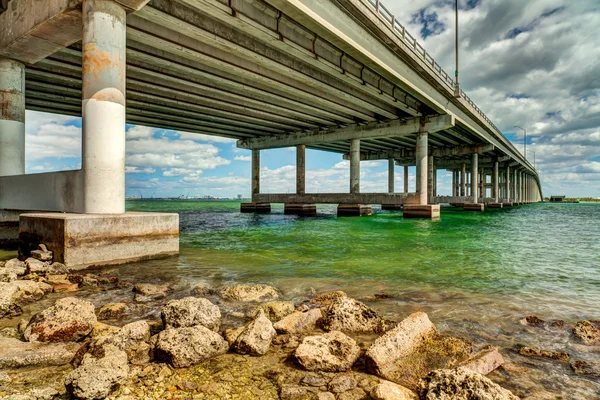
533,159
524,140
457,84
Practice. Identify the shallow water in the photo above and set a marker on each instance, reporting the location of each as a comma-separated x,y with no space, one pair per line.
476,274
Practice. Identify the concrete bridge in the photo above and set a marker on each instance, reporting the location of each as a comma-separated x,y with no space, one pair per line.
341,76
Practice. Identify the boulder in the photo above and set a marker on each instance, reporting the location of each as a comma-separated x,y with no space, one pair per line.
484,362
191,311
553,355
256,337
57,268
591,368
112,311
145,292
33,266
387,390
274,310
461,383
15,265
42,253
69,319
183,347
325,396
17,354
247,293
532,320
231,335
7,275
299,321
331,352
132,338
353,394
588,332
315,380
202,289
15,294
325,299
98,378
413,349
342,382
349,315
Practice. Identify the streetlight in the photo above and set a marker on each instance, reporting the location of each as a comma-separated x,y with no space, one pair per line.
457,85
533,158
524,140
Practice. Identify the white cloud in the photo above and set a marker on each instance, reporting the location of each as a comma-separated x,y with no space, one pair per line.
243,158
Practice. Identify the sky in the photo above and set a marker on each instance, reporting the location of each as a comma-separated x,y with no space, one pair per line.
533,63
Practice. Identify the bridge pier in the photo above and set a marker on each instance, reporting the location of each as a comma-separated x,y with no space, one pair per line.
354,210
422,209
391,176
12,117
255,206
474,205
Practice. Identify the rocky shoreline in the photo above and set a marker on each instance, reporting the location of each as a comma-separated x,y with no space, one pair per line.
330,346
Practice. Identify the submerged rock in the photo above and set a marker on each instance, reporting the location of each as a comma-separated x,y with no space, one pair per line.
325,299
342,383
191,311
390,391
459,384
553,355
69,319
331,352
299,321
413,349
17,354
183,347
202,289
112,311
591,368
98,378
588,332
484,362
247,293
256,337
146,292
349,315
274,310
532,320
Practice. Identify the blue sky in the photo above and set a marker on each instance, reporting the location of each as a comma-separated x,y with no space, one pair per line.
529,63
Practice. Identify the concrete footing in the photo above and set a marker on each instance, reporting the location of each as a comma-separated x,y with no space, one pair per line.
300,209
494,205
391,207
457,204
354,210
93,240
9,217
430,211
255,207
474,207
507,204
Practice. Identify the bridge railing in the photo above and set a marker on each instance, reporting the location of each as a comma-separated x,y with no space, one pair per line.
401,32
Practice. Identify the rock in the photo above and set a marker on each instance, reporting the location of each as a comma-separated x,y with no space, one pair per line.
202,289
342,382
69,319
7,275
294,392
256,337
390,391
57,279
48,393
353,394
58,268
274,310
231,335
461,383
325,299
145,292
33,266
588,332
325,396
413,349
591,368
331,352
65,287
17,354
315,380
182,347
349,315
532,320
247,293
191,311
98,378
484,362
16,265
10,332
298,321
42,253
15,294
112,311
553,355
132,338
89,280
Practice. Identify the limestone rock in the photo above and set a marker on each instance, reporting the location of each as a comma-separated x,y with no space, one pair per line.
69,319
98,378
112,311
191,311
553,355
298,321
15,265
314,379
57,268
47,393
332,352
387,390
532,320
484,362
354,394
247,293
325,299
231,335
325,396
132,338
65,287
145,292
461,383
342,382
202,289
256,337
591,368
588,332
182,347
349,315
34,266
17,354
15,294
413,349
274,310
7,275
294,392
42,253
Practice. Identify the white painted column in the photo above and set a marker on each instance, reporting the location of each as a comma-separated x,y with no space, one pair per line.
507,183
475,177
406,179
391,175
421,160
495,194
463,173
300,169
12,117
355,166
430,178
103,106
255,174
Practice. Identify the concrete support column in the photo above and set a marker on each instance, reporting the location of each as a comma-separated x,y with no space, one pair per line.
103,107
391,175
481,183
355,166
507,184
463,173
406,179
453,183
495,193
434,179
514,185
421,158
255,174
12,117
474,177
300,169
430,183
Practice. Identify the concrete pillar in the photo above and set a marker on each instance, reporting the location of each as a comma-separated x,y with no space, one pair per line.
406,179
12,117
300,169
474,177
255,174
103,107
514,185
391,175
495,193
453,183
463,173
421,156
355,166
435,193
507,184
481,183
430,184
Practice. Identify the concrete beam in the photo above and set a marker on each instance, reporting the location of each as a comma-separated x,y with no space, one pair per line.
395,128
339,198
435,152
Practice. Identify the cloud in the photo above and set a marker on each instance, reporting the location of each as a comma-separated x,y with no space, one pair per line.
243,158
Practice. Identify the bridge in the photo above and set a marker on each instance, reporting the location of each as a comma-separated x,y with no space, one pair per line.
340,76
